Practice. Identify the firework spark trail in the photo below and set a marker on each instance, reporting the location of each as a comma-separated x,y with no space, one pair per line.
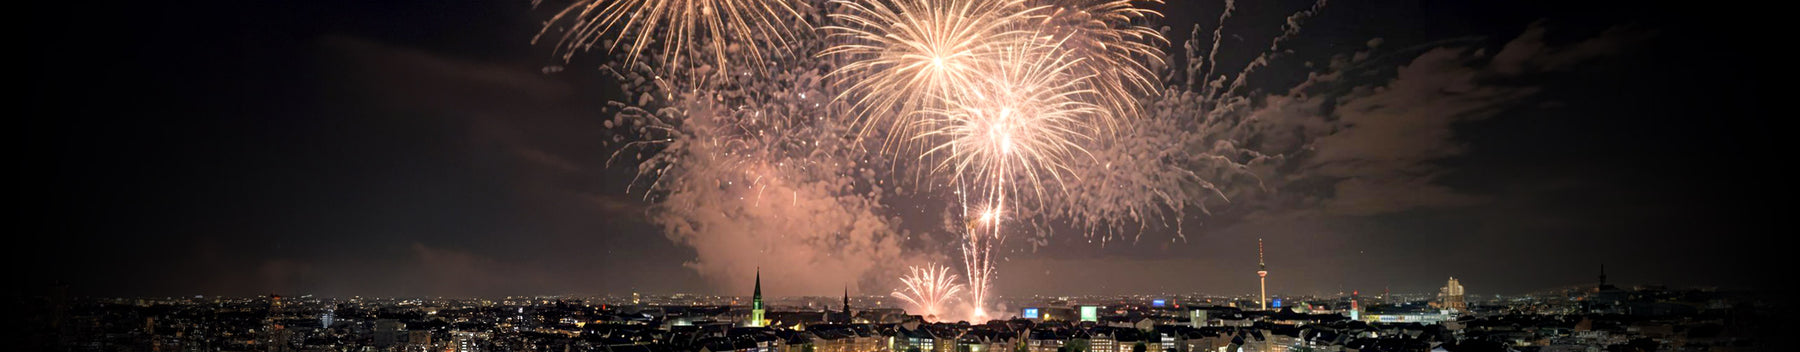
1217,37
980,235
1024,120
1185,153
929,288
710,31
1289,30
1117,47
905,52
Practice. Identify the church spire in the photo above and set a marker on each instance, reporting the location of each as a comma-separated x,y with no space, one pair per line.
756,302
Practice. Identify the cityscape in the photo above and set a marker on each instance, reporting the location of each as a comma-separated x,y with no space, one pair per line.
1600,316
900,176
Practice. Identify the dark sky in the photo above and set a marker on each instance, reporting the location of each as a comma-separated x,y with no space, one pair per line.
418,148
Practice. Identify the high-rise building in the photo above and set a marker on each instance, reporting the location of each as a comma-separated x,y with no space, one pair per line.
1451,296
1262,278
756,303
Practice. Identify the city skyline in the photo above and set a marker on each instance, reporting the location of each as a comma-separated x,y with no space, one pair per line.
899,176
430,149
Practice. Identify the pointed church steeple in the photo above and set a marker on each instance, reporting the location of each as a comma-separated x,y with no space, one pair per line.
756,302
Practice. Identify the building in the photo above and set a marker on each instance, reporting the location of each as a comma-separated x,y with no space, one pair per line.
1451,296
845,317
1262,278
756,303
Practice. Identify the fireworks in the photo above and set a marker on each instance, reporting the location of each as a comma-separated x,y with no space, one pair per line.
1023,120
709,31
998,93
1116,47
904,52
1020,121
1188,150
929,288
1031,110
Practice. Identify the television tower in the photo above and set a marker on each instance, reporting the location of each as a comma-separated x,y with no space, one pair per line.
1262,277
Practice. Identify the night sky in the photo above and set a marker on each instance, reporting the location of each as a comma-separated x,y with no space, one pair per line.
419,148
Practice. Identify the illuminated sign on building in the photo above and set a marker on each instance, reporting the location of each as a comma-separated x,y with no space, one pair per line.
1157,303
1030,313
1090,313
1277,303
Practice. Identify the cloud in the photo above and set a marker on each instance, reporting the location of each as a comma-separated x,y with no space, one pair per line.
1377,149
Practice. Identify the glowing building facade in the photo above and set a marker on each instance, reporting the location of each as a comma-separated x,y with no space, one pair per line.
1451,296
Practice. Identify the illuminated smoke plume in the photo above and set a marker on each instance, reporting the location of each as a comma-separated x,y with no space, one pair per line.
749,171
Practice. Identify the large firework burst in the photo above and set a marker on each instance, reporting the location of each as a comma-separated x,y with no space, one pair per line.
904,52
691,32
1023,120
